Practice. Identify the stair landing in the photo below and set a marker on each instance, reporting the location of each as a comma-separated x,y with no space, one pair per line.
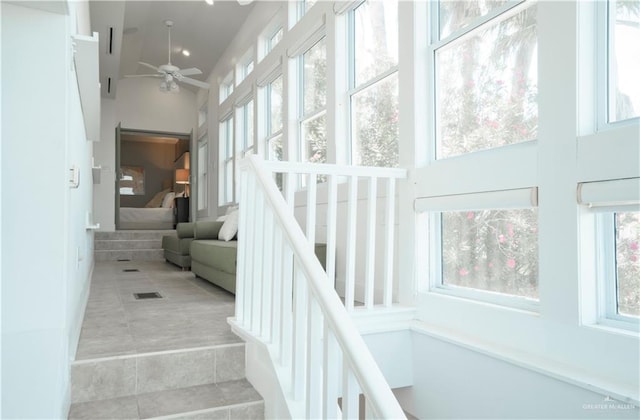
170,357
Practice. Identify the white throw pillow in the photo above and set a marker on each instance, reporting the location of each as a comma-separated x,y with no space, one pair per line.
221,218
229,227
167,201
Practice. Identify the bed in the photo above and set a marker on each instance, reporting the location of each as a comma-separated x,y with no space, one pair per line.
158,218
157,214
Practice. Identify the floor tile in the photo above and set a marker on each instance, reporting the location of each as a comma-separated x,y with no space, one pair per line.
176,370
236,392
101,380
182,400
116,408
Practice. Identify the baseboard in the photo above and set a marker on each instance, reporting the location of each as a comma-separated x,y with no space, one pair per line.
76,328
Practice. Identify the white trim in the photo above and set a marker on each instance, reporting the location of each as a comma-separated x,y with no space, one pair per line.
505,199
244,97
619,192
342,7
270,73
495,16
310,37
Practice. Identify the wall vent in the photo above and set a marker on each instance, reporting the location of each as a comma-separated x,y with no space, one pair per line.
110,43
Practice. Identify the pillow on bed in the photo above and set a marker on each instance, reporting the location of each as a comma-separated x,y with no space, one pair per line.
229,227
167,202
156,201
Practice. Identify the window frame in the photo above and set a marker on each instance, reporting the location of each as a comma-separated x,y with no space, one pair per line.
268,106
202,197
304,118
227,157
500,200
226,87
353,89
607,273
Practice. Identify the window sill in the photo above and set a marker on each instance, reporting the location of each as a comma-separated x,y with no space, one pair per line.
625,393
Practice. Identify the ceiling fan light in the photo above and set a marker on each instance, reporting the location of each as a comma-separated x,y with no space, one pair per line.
174,88
163,87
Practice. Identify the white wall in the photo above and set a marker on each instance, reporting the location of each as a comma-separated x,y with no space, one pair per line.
46,250
454,382
104,153
139,105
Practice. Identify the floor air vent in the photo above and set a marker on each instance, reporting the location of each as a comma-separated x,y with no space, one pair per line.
131,270
123,259
147,295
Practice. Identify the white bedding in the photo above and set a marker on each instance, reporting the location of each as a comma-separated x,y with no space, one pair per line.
146,218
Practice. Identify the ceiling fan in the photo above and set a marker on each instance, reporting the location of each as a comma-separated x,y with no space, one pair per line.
170,73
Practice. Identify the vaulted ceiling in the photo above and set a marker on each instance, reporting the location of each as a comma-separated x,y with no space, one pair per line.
132,31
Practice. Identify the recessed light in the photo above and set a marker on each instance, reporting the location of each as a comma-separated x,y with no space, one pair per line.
186,53
209,2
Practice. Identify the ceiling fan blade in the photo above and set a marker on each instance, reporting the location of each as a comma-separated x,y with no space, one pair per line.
190,71
143,75
195,82
150,66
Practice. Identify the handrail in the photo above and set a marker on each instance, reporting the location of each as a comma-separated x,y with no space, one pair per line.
355,352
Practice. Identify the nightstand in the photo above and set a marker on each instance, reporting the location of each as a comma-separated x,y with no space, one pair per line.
181,210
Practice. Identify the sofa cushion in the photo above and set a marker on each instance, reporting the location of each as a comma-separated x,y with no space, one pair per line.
218,254
185,230
175,244
207,230
229,228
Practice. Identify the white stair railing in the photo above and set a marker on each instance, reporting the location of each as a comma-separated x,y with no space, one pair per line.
284,298
366,192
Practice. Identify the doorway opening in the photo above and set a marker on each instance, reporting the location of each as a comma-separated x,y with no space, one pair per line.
153,179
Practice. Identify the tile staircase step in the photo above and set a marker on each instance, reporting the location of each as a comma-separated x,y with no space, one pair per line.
133,234
130,254
134,374
122,244
227,400
135,245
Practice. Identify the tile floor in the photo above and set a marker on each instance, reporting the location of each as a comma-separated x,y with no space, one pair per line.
191,313
135,353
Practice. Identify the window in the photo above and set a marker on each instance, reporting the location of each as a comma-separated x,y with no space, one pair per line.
225,186
491,250
244,142
627,262
485,77
245,66
485,245
303,7
615,205
273,95
226,87
623,60
374,83
313,92
203,181
273,40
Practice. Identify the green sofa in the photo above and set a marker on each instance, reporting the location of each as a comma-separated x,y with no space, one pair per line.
212,259
176,247
196,245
